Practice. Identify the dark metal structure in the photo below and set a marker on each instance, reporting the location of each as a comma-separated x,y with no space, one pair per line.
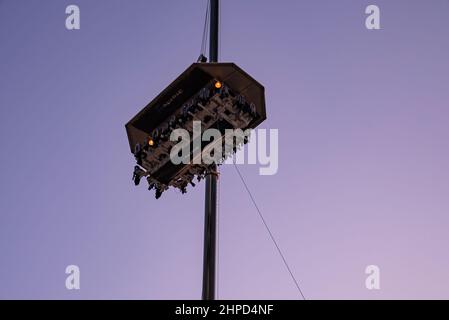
238,104
210,210
220,95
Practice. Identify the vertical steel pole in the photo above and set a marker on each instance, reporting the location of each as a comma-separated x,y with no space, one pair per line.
214,22
210,220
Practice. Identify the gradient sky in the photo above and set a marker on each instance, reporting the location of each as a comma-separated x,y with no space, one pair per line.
364,159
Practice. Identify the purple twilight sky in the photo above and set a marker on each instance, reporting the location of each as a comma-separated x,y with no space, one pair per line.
363,151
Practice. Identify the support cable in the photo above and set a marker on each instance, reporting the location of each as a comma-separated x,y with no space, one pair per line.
269,231
205,31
